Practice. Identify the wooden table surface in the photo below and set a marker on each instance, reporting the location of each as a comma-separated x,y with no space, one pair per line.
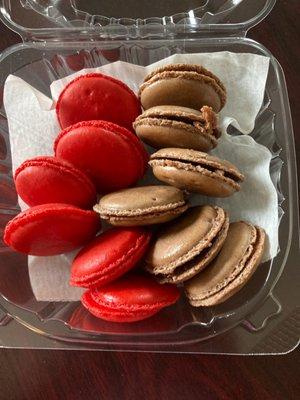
27,374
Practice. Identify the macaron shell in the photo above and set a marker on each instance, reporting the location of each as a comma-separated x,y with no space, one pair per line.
134,201
150,219
45,179
198,157
200,262
194,181
97,96
196,171
168,134
112,156
231,269
184,239
51,229
199,69
106,313
181,89
129,299
142,205
109,256
168,126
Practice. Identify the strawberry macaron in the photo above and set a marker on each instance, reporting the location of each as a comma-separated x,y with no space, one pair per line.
45,179
51,229
97,96
109,256
111,155
130,298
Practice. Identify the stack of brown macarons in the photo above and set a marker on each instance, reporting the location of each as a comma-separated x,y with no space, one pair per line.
214,258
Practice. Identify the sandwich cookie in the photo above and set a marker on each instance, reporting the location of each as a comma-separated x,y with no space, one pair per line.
97,96
144,205
232,268
196,172
112,156
187,245
51,229
187,85
130,298
45,179
109,256
168,126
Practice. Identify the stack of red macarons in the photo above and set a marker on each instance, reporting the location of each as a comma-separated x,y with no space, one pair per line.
95,153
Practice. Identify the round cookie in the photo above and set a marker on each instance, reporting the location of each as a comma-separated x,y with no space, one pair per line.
144,205
45,179
187,245
168,126
131,298
112,156
231,269
97,96
109,256
51,229
196,172
186,85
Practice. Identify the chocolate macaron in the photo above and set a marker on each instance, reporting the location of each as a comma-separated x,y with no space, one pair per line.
231,269
168,126
187,85
187,245
196,172
143,205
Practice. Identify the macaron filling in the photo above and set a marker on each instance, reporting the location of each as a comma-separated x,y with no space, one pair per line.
198,127
150,212
230,176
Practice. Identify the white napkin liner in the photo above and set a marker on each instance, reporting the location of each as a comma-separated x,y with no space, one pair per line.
33,128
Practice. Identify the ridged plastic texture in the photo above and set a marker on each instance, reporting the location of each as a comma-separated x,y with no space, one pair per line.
46,19
180,324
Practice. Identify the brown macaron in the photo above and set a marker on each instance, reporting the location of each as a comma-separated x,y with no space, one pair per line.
187,245
168,126
144,205
196,172
186,85
231,269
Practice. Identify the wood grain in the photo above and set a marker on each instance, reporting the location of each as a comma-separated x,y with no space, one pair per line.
26,374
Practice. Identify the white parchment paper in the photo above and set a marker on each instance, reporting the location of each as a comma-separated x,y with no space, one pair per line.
33,128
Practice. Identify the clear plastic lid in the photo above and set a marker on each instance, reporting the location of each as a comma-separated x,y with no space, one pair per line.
54,19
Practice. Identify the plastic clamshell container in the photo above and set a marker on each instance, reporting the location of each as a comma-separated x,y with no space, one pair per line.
61,37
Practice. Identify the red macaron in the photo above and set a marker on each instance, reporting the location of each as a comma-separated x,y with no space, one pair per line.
97,96
45,179
112,156
109,256
130,298
50,229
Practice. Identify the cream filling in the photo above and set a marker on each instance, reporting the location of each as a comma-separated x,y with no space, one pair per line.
195,166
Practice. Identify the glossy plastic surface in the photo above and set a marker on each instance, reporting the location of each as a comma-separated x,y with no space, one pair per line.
259,308
52,19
